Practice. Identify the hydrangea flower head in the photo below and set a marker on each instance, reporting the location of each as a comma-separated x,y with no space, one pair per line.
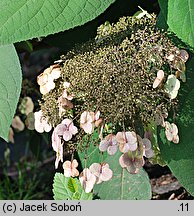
172,86
110,144
87,180
127,141
101,171
70,168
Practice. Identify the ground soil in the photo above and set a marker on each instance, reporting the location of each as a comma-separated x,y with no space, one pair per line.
164,185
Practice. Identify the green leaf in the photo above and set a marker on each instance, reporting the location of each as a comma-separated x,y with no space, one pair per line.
72,185
60,188
82,194
180,157
180,18
10,87
21,20
123,185
67,188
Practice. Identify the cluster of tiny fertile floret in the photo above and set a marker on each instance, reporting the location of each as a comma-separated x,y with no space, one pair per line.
115,73
127,79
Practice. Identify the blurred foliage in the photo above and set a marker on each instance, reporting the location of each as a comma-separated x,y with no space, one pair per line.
27,183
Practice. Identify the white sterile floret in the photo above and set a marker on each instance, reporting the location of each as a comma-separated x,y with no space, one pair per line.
87,180
148,152
110,144
171,131
101,171
46,79
172,86
66,129
70,168
89,120
18,124
57,147
127,141
41,123
159,78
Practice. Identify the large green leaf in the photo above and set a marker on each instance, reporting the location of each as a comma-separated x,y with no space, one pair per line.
21,20
67,188
180,18
180,157
123,185
10,86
